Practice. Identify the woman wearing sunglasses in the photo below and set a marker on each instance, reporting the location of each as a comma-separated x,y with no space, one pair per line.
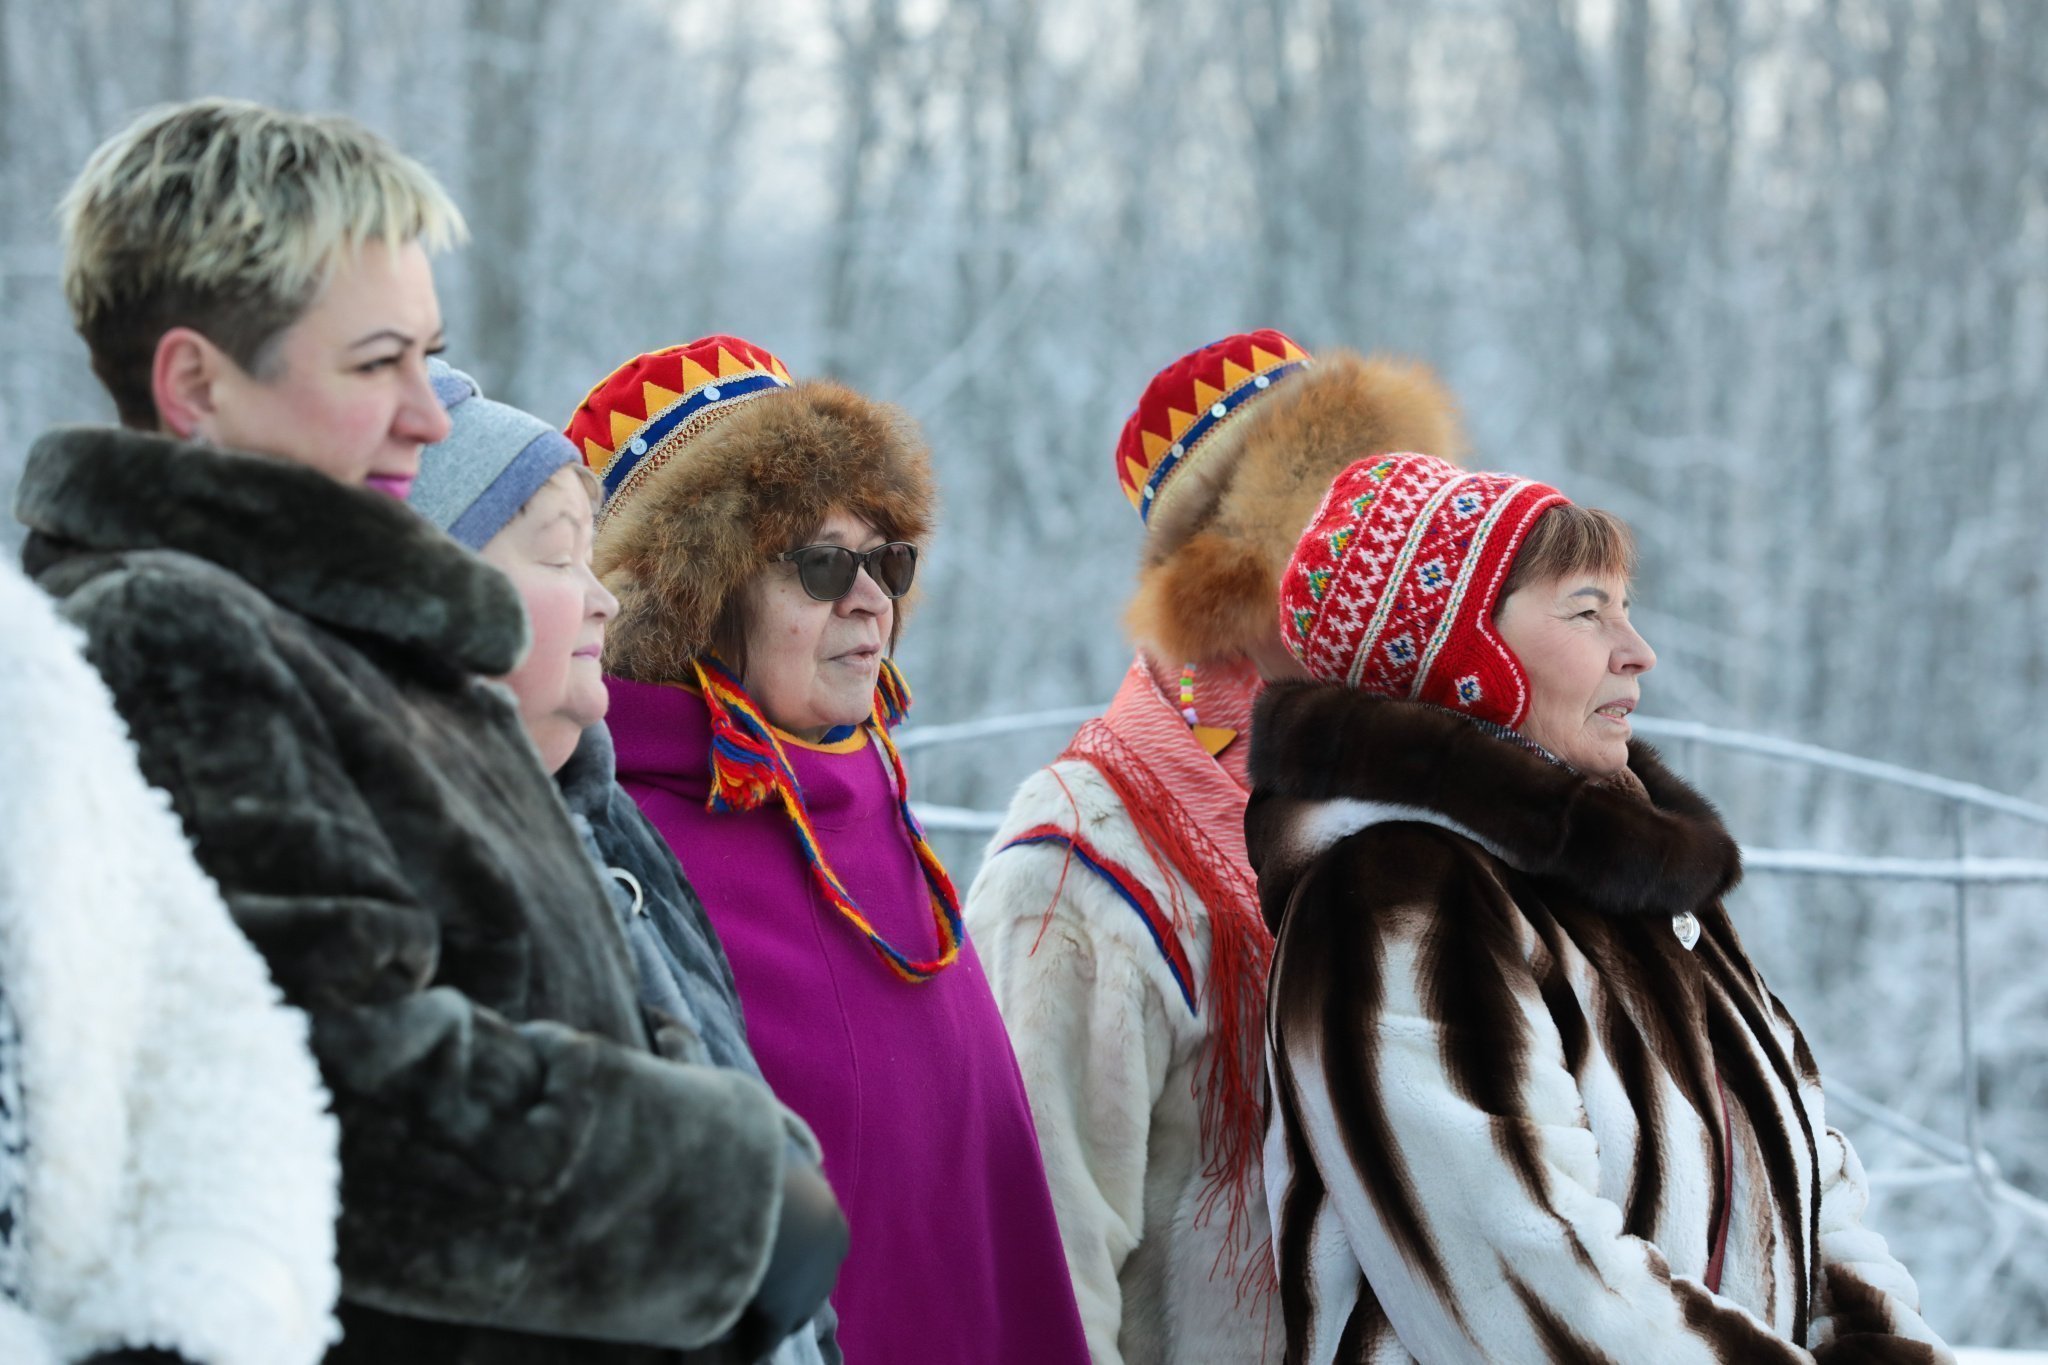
761,536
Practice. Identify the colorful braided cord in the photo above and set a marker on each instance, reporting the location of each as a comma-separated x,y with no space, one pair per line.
748,766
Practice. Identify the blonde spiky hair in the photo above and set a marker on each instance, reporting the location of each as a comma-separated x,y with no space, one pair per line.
226,216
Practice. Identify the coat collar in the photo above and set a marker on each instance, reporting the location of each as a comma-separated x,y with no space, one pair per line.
345,557
588,778
1327,760
1156,736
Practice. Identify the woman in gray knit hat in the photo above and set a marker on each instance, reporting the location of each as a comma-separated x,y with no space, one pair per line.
509,486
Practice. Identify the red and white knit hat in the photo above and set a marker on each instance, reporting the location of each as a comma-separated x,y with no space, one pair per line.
1393,586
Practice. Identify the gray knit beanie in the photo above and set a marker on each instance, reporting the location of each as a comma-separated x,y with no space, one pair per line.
495,458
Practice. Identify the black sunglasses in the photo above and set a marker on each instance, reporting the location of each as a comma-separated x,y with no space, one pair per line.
827,571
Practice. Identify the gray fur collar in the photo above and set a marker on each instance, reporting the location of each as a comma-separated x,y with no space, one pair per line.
345,557
586,780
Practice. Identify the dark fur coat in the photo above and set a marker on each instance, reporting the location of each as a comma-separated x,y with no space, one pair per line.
1505,1090
524,1179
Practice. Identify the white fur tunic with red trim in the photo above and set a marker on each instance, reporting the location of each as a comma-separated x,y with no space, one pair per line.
1515,1115
1101,957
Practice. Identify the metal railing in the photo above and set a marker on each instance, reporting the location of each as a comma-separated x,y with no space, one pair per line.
1951,1161
1970,1160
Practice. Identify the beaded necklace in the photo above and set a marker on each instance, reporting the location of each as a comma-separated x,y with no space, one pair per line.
748,767
1213,739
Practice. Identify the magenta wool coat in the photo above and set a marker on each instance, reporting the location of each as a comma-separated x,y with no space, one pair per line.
911,1088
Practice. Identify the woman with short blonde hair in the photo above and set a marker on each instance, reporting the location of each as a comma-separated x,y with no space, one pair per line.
227,218
303,663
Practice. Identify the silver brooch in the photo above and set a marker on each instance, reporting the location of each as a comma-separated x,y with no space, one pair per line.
1687,927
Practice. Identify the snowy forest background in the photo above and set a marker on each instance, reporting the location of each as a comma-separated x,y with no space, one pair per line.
1767,277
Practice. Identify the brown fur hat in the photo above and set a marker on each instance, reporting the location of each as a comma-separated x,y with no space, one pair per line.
759,481
1208,583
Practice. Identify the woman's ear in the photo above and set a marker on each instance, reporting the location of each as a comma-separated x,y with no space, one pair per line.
182,377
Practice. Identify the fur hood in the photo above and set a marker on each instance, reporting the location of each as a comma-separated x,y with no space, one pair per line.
1327,761
1209,578
294,533
749,487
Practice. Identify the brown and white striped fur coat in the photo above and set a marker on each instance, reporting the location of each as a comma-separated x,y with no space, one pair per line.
1499,1077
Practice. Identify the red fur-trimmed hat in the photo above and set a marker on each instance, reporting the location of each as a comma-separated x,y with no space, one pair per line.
1187,404
1393,586
636,419
1234,443
714,461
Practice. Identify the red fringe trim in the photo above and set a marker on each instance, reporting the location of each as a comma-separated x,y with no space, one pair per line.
1232,1095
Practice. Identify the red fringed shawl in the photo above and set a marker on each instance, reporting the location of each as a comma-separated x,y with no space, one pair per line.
1188,809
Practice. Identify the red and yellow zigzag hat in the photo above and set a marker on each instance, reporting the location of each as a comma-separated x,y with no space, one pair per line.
1225,484
636,418
1185,404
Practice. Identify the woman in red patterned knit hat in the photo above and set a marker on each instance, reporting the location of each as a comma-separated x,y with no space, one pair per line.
1530,1098
1116,912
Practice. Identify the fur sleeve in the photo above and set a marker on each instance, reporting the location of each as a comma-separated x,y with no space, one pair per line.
1440,1138
1868,1306
1093,1045
183,1178
529,1177
21,1337
227,1251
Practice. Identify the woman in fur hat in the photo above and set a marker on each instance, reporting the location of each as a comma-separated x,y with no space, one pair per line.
1116,912
1530,1098
760,536
302,662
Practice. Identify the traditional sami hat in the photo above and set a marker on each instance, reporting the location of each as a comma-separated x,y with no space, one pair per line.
635,421
1392,588
1185,411
1224,458
714,461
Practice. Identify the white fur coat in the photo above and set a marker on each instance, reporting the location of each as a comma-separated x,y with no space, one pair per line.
181,1174
1530,1100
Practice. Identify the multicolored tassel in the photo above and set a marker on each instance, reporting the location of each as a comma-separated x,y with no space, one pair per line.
748,766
